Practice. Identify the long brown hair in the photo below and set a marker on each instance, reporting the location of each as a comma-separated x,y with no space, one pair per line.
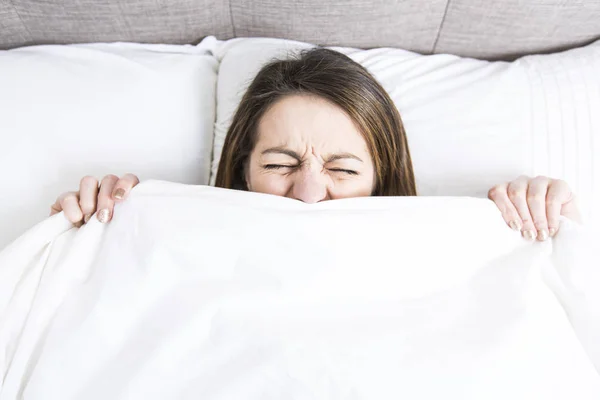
335,77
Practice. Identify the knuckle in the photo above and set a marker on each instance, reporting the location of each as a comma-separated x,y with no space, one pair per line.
560,182
109,179
131,177
494,192
551,200
68,196
514,193
561,186
86,205
535,198
540,182
88,180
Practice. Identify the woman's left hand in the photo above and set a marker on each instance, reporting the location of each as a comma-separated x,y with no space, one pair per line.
534,205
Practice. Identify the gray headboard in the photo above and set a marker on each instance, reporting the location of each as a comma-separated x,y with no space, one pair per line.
487,29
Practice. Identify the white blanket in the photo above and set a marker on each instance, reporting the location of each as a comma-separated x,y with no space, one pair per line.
194,292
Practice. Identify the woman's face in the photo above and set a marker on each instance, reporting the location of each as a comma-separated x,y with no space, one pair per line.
310,150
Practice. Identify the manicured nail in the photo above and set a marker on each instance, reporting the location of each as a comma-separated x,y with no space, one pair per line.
529,235
542,234
86,218
515,225
119,193
552,232
103,215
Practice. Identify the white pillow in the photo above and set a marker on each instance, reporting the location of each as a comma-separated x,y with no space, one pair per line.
70,111
471,124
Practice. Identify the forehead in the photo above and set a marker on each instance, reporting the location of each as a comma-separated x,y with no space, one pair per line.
298,120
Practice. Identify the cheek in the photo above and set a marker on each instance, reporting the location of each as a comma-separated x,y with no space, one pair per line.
362,186
357,188
266,182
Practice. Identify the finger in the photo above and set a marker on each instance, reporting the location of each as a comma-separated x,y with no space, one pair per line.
536,200
105,200
517,193
56,207
124,186
69,203
558,195
88,196
499,195
571,210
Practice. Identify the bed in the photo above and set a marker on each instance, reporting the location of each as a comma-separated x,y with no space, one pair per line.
159,304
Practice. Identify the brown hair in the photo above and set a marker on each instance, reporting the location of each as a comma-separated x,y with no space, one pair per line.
337,78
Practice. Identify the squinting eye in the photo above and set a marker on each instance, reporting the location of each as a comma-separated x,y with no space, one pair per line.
347,171
277,166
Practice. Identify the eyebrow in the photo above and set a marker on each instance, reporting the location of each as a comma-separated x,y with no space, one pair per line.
283,150
342,156
293,154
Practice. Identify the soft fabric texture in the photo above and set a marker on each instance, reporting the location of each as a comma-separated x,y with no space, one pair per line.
470,124
488,29
507,29
197,292
71,111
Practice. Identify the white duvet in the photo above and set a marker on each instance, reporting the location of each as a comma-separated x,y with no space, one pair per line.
194,292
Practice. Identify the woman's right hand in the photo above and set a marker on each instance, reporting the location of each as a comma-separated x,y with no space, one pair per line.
79,206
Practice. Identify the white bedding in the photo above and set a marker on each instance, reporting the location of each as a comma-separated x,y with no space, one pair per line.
68,111
196,292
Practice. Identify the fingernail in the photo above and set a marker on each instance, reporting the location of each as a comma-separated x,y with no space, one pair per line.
529,235
103,215
119,193
515,225
86,218
542,234
552,232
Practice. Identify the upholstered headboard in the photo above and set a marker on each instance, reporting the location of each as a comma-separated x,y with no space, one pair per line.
488,29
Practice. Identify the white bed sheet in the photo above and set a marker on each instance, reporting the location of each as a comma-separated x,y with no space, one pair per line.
198,292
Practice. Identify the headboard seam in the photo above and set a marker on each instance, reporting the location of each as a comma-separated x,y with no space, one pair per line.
231,18
439,32
21,19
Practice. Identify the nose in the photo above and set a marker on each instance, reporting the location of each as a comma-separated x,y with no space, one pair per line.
310,186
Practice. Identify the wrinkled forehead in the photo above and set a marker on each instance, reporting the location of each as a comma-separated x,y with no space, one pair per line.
300,121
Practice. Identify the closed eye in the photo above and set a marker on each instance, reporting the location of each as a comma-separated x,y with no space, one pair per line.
281,166
277,166
346,171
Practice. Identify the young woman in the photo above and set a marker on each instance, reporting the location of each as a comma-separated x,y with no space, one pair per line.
319,127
